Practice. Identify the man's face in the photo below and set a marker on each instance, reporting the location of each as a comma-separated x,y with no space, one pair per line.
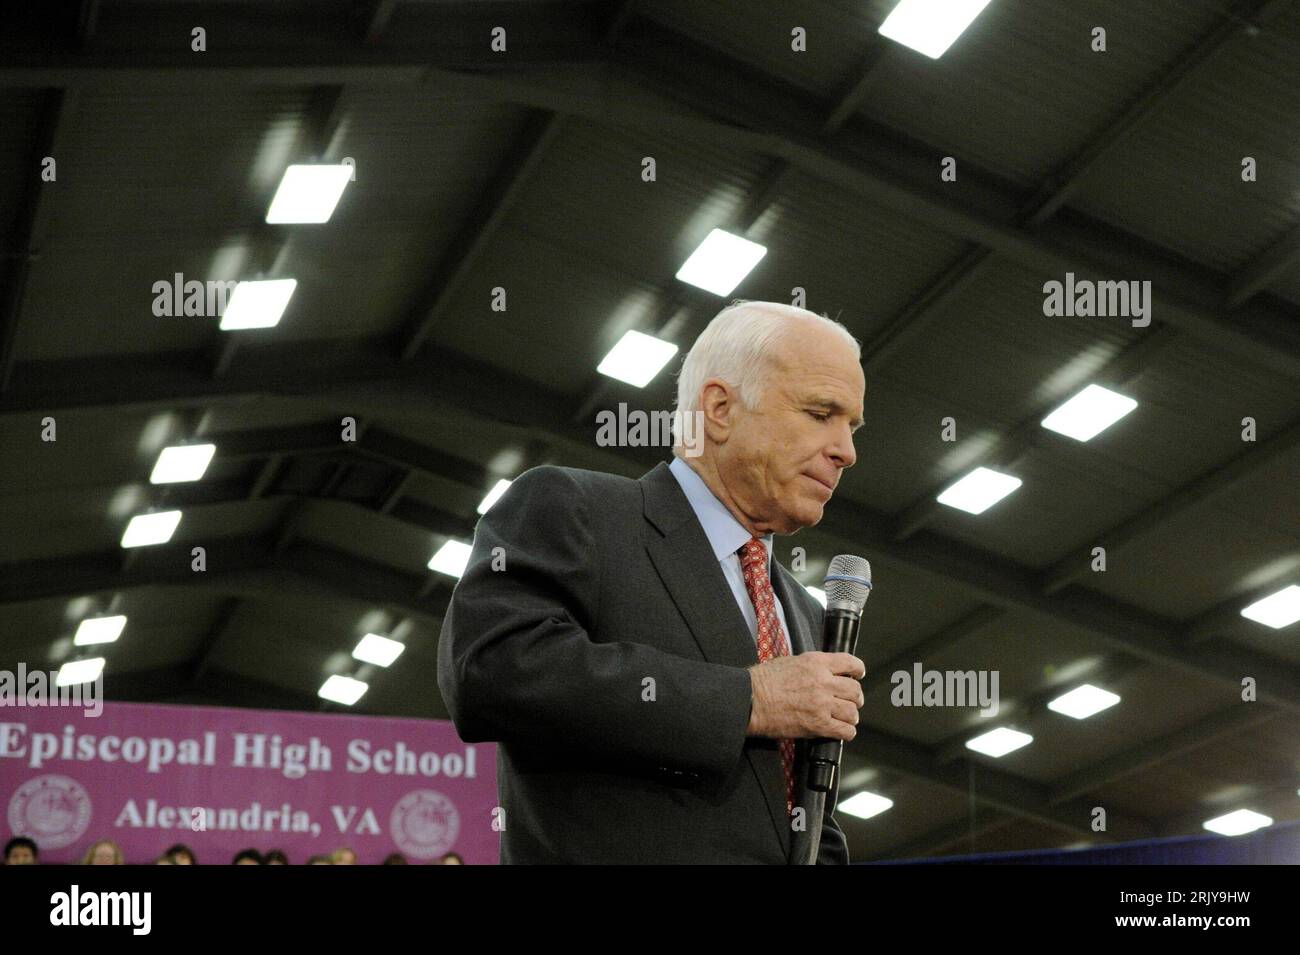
20,855
782,460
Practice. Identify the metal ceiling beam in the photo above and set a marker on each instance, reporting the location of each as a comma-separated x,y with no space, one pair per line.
207,650
30,232
771,118
1089,779
1054,191
1118,373
1235,718
1195,493
990,786
244,568
1255,276
1028,709
1243,21
479,227
678,315
880,168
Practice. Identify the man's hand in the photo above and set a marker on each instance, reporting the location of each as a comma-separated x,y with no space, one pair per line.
810,695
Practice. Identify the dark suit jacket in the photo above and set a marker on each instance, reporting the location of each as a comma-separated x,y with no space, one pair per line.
608,659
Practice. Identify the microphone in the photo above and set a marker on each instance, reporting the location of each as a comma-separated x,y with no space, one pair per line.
847,586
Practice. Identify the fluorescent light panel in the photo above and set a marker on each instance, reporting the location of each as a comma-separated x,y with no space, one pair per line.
979,490
999,742
451,558
79,671
343,689
94,630
721,262
1089,413
930,26
1237,823
308,194
1083,701
257,304
381,651
637,358
493,495
147,529
182,463
1276,610
865,804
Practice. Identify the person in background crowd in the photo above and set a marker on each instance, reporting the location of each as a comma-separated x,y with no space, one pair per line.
320,860
21,851
275,857
164,860
104,852
345,856
451,859
248,857
181,854
396,859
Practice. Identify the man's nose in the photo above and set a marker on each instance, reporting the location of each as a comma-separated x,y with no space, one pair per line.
843,453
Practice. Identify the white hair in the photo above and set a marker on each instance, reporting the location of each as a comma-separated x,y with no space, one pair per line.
738,346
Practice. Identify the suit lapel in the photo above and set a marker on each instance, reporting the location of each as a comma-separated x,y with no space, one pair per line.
797,619
690,572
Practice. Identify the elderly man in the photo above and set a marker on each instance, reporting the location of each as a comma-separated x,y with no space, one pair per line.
650,671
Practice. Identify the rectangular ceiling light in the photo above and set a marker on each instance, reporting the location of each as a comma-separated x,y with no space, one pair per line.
721,262
865,804
182,463
343,689
308,194
147,529
930,26
1089,413
381,651
637,358
1083,701
79,671
999,742
979,490
99,630
493,495
1237,823
257,304
451,558
1276,610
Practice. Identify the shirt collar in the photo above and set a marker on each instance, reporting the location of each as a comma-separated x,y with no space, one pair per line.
726,534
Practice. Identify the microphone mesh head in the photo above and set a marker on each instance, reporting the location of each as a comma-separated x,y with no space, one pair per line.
848,583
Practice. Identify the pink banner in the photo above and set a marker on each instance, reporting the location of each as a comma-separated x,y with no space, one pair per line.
224,780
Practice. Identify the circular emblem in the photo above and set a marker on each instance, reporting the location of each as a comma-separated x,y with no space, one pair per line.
52,811
424,824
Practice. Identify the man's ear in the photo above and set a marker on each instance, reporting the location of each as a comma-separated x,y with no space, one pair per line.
717,404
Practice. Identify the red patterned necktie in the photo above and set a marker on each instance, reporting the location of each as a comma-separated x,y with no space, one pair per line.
771,638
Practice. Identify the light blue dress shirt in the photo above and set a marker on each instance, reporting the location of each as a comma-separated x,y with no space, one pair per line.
727,535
